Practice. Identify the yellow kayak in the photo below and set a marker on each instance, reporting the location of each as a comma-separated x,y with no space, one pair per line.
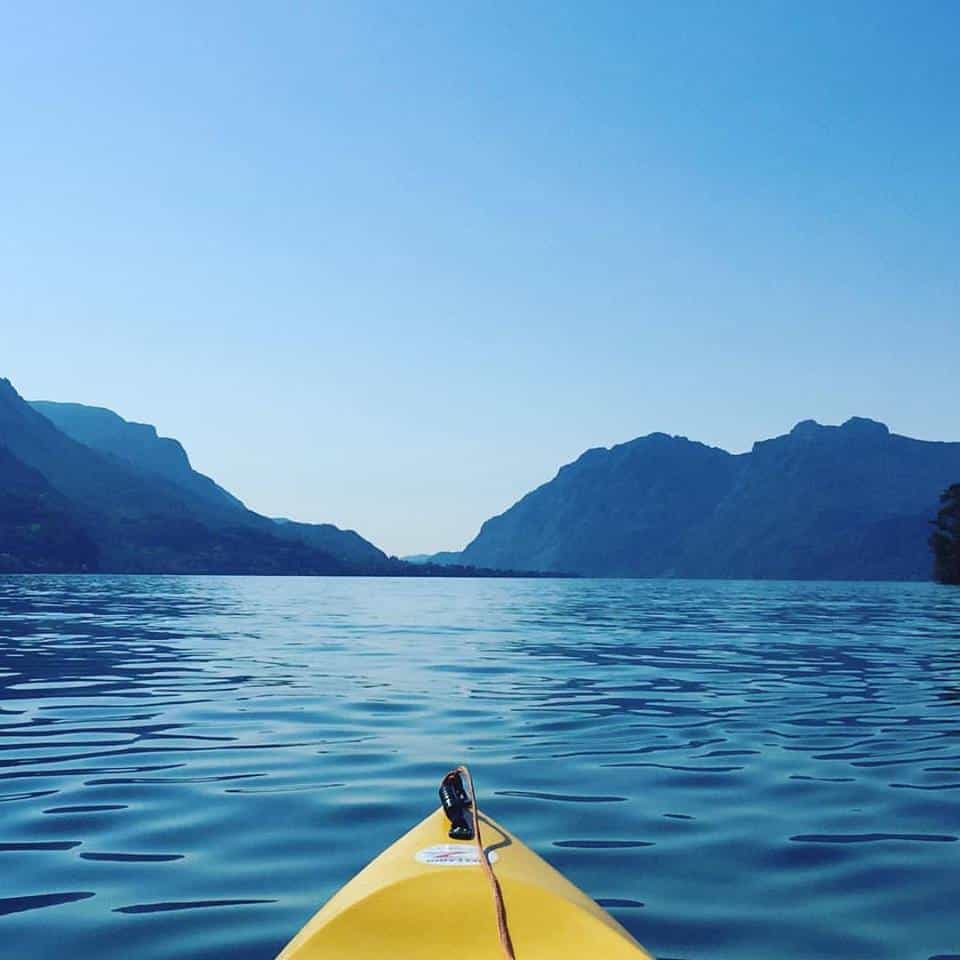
428,896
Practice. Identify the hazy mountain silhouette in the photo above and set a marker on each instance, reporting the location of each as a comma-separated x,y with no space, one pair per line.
83,490
38,528
821,502
135,443
136,500
137,446
445,557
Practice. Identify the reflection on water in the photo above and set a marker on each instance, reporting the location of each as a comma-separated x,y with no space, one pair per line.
189,766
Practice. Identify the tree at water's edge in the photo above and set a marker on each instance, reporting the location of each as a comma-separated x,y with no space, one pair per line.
945,539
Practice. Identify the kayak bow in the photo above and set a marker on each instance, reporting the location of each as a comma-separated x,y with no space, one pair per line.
426,897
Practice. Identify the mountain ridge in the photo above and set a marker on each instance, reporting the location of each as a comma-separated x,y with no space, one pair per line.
139,446
136,498
847,501
83,489
94,492
137,443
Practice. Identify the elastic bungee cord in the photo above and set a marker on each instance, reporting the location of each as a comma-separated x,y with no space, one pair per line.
456,802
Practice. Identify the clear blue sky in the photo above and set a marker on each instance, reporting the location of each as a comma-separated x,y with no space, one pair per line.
390,264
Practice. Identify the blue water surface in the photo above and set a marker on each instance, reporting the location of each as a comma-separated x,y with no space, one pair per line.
189,766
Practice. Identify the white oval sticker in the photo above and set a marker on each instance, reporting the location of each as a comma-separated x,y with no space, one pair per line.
453,855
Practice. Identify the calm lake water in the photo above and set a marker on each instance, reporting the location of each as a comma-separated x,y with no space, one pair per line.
190,766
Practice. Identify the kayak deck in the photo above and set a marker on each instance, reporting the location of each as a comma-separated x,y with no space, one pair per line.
427,897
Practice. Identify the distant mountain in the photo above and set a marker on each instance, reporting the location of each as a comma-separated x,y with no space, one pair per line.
83,490
137,447
848,502
137,444
38,528
347,545
93,481
615,512
136,506
445,558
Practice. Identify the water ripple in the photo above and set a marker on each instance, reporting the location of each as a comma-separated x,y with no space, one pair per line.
169,907
191,765
20,904
870,837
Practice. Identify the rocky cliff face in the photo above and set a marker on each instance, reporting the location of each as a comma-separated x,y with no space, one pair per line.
820,502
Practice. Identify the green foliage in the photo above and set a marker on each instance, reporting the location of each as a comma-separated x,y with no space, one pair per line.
945,539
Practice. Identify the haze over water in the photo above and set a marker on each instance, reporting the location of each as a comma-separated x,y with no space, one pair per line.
190,766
